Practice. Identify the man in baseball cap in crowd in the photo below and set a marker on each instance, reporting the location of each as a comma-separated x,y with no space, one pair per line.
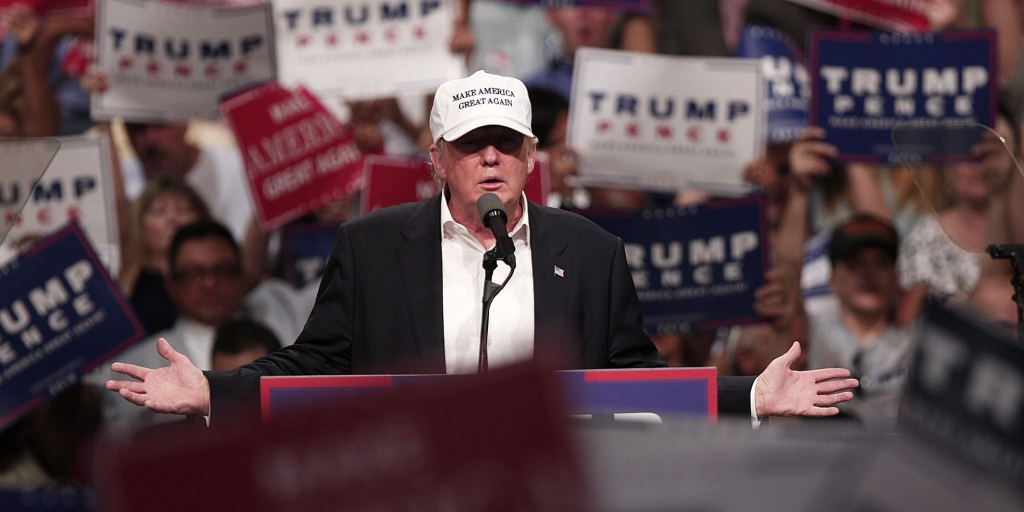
859,333
402,290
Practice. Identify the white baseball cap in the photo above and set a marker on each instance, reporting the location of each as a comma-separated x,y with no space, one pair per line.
481,99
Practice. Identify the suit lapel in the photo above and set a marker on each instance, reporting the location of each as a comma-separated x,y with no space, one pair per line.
552,276
420,266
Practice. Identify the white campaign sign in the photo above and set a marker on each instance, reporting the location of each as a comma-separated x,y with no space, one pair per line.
171,61
366,48
75,185
662,122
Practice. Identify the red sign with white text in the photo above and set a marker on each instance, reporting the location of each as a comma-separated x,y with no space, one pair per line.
897,15
391,180
298,156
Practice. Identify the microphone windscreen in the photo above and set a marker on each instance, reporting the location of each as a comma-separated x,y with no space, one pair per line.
488,203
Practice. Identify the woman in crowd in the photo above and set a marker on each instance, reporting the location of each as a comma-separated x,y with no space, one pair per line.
941,257
166,205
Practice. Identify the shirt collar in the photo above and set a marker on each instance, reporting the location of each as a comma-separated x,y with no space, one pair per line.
450,228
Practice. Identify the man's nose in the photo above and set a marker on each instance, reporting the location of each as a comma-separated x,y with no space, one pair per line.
490,155
209,281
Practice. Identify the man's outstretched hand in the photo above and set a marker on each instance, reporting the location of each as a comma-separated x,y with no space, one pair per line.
180,388
785,392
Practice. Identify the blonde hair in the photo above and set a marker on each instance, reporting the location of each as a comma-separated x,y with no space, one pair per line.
164,186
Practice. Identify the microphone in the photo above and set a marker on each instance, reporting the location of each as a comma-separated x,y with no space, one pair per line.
495,218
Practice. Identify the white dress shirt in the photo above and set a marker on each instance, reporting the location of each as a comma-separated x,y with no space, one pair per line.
510,329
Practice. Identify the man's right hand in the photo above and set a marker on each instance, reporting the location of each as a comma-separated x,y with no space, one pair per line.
180,388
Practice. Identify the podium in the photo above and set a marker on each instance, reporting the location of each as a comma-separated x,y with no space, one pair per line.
643,394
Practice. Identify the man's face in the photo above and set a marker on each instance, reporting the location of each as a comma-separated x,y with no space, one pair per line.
489,159
161,148
206,282
865,281
583,26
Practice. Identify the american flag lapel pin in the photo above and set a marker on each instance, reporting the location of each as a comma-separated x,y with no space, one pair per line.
559,272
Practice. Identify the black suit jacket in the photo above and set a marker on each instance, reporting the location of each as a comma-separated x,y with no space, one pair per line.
379,308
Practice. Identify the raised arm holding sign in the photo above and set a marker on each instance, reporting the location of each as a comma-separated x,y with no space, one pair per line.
401,289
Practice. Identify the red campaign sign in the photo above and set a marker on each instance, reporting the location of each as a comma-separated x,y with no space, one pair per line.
492,442
538,186
391,180
46,7
298,156
898,15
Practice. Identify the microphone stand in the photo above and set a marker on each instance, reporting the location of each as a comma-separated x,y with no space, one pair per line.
1014,253
491,290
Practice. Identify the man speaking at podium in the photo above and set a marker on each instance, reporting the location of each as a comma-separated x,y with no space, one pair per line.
403,286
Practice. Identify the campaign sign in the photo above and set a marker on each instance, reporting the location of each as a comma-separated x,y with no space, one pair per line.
23,161
635,6
167,61
636,393
60,315
896,15
63,498
865,84
538,184
305,248
391,180
664,122
77,186
54,7
786,79
298,156
491,442
966,391
694,268
363,49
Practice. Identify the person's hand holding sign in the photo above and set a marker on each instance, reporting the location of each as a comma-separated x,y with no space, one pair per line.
809,157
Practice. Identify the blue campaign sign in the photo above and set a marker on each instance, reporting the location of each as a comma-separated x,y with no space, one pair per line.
965,391
61,315
50,499
634,392
304,250
787,81
865,84
694,268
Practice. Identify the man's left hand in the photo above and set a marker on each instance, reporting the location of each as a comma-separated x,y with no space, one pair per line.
782,391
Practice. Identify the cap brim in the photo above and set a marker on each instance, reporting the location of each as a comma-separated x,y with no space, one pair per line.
850,247
472,124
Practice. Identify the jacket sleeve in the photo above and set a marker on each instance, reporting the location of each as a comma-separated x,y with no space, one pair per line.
323,348
629,345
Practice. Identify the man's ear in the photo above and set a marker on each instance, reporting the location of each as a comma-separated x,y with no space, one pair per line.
435,160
